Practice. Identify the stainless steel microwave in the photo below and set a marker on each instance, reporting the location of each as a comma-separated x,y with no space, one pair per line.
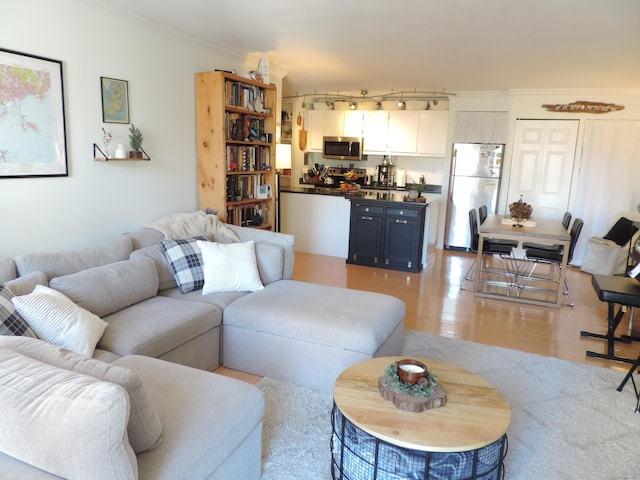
342,148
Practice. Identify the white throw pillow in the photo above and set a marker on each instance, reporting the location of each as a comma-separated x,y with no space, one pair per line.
229,267
56,319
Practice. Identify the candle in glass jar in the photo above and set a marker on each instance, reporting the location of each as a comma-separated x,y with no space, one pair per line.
412,368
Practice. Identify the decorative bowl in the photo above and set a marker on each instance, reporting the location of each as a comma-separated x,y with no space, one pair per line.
411,371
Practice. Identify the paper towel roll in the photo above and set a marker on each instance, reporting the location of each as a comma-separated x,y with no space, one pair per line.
400,177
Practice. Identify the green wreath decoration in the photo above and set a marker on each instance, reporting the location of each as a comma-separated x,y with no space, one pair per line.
424,388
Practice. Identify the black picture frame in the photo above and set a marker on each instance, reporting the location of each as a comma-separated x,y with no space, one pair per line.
32,116
115,100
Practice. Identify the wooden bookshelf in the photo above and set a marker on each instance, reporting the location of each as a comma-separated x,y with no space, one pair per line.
236,150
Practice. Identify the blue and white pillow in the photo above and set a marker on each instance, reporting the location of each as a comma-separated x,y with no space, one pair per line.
11,323
185,259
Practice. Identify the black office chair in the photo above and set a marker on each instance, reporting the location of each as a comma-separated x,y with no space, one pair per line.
554,255
503,248
482,213
566,220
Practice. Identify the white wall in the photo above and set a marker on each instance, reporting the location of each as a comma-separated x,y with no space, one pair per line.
99,200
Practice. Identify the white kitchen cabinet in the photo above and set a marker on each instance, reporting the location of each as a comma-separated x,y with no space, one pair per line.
403,132
352,124
322,123
331,123
375,131
432,133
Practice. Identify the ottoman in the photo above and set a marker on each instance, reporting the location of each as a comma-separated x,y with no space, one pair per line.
308,334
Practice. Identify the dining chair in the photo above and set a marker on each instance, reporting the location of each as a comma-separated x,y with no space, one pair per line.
482,213
566,221
503,248
554,256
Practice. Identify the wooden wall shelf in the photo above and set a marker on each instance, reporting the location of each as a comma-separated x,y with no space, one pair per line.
104,158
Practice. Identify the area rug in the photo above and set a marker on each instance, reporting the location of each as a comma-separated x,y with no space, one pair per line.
568,419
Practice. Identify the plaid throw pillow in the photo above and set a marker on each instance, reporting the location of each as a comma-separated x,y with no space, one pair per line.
186,262
11,323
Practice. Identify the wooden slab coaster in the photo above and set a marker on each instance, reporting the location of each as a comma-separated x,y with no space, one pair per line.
412,403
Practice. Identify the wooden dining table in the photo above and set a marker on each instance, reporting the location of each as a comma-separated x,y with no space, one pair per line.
540,230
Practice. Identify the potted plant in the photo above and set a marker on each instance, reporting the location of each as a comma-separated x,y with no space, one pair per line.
135,141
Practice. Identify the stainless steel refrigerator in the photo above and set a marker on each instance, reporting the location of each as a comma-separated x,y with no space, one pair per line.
474,181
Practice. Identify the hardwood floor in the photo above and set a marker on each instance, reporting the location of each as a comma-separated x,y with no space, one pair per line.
436,304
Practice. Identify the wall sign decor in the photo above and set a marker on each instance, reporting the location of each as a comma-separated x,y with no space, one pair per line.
115,100
32,123
584,107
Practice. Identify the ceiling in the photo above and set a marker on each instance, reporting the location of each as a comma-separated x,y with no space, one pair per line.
454,45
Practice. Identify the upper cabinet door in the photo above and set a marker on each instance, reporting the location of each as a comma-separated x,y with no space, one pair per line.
375,128
403,132
322,123
432,133
352,124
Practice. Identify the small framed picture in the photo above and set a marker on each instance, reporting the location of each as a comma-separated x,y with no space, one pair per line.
115,100
264,191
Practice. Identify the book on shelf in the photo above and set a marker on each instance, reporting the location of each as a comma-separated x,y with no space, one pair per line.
241,158
246,215
242,95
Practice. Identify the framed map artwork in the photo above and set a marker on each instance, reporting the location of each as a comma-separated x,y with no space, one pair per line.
115,100
32,123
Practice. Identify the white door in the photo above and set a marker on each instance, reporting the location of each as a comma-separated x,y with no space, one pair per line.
542,165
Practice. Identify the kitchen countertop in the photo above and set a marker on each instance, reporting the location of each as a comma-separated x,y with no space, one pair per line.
365,194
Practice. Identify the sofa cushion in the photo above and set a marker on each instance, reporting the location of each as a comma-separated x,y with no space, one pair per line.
186,262
56,319
206,417
57,264
230,267
112,287
26,283
144,427
343,318
270,259
7,269
65,423
11,322
157,326
165,273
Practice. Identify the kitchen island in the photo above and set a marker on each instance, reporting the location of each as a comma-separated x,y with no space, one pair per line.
320,218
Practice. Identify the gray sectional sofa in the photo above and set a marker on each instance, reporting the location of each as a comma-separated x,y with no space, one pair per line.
289,330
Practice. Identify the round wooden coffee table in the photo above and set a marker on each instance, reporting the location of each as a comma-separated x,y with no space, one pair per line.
464,439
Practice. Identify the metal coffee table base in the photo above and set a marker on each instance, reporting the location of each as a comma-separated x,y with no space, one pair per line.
356,455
